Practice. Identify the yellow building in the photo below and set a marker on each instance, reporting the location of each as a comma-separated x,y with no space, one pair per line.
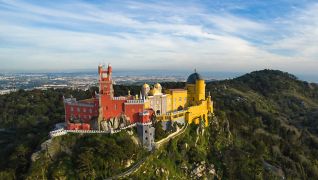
190,103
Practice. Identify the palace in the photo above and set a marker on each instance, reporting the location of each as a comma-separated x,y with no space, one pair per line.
105,111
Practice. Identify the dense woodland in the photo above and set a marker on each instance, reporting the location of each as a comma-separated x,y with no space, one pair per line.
265,127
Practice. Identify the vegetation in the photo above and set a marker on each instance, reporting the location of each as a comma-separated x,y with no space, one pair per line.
272,119
87,157
265,127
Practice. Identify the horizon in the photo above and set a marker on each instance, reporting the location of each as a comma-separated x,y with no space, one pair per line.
225,36
216,75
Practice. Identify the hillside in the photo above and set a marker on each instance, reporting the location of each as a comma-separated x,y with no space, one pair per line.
265,127
273,120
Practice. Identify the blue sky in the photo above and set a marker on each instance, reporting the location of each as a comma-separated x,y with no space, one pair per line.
211,35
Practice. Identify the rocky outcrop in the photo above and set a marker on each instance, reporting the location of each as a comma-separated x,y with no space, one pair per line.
202,170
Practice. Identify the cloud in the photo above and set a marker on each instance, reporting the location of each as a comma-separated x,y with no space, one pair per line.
159,35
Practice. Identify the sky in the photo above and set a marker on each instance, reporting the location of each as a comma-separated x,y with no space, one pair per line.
209,35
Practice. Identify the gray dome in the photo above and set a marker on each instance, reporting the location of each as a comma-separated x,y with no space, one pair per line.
193,77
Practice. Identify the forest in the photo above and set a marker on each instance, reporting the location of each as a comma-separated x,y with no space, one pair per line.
264,127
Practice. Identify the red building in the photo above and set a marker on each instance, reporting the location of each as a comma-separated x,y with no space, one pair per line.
105,107
78,114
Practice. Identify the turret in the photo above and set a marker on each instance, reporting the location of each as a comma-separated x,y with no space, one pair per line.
210,103
145,90
109,69
200,89
196,88
100,69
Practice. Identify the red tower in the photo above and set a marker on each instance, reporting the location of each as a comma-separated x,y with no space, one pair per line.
105,106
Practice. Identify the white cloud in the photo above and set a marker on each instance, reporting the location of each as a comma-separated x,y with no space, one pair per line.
212,42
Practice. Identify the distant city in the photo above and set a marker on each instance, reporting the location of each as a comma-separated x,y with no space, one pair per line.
10,82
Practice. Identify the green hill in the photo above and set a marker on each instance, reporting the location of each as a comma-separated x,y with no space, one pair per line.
265,127
273,120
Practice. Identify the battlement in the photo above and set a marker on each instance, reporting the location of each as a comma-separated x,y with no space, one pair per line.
135,101
74,102
120,98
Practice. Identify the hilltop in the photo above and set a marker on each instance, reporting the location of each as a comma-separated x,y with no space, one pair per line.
272,117
264,128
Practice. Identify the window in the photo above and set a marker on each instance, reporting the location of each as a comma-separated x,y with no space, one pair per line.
90,110
146,131
115,106
185,99
90,117
180,99
72,109
78,109
84,110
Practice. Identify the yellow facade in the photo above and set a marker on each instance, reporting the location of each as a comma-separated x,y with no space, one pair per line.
191,88
190,103
178,99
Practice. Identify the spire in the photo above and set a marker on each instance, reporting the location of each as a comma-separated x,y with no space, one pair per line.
128,92
140,95
195,70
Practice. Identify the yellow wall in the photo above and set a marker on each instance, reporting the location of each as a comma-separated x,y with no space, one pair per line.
195,113
169,102
178,98
191,94
200,90
147,104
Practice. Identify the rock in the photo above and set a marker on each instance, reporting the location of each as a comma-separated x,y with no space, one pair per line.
128,163
157,172
162,170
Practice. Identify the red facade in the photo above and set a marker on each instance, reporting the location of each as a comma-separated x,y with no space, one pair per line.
78,114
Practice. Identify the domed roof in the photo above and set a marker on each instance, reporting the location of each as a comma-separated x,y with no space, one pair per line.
193,77
157,86
145,86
